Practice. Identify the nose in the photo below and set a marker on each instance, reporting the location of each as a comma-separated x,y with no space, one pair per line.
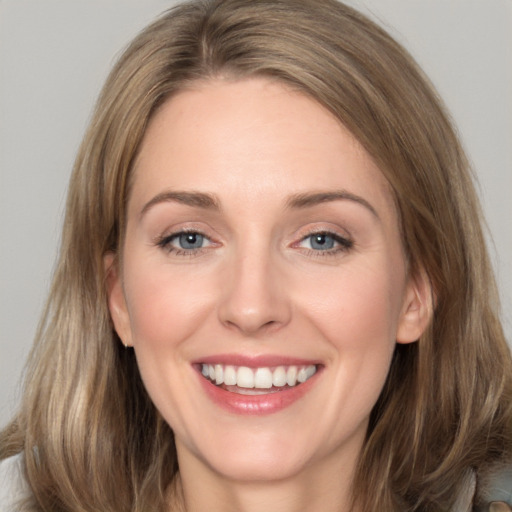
254,298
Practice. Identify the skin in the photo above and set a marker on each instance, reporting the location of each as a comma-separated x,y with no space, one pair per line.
258,286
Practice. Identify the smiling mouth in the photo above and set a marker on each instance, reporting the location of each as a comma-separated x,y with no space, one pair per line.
254,381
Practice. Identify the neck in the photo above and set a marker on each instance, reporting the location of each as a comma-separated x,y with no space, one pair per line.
199,488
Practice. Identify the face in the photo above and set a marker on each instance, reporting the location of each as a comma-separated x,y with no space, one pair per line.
263,284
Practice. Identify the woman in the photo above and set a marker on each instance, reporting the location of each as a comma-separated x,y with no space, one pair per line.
272,213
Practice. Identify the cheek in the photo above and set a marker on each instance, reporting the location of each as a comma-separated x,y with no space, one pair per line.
164,307
358,309
364,335
358,316
165,310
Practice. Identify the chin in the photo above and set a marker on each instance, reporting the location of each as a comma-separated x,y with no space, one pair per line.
252,457
264,467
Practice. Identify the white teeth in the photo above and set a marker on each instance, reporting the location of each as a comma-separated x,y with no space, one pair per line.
279,376
244,377
310,371
230,376
258,378
291,376
219,374
263,378
301,376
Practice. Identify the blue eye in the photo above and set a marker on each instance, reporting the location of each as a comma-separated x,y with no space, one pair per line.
326,242
189,240
184,242
321,241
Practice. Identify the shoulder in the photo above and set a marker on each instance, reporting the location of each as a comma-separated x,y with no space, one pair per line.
11,483
496,486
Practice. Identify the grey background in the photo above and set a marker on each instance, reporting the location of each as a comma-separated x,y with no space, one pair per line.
54,56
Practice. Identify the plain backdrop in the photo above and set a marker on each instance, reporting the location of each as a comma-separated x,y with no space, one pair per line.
55,54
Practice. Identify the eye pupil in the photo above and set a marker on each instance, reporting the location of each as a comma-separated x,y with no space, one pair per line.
191,240
322,241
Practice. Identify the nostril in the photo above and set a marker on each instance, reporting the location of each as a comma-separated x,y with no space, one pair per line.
253,326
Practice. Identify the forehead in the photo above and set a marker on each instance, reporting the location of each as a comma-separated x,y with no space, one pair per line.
254,136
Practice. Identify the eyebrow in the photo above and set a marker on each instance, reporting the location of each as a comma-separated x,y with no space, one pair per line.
195,199
308,200
296,201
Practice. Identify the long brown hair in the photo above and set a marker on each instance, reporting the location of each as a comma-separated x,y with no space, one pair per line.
91,438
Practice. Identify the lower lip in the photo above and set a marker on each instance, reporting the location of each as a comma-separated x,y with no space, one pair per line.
258,405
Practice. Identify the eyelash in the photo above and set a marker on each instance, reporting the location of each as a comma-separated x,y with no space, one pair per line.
164,242
343,244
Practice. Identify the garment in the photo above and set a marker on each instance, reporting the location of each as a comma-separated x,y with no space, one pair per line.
11,483
497,486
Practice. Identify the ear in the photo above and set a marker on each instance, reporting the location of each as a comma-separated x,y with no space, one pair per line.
116,299
417,309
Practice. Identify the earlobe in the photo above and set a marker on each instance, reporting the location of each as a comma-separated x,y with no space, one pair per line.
417,308
116,299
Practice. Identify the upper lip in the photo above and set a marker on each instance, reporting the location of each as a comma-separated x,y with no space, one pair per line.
256,361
